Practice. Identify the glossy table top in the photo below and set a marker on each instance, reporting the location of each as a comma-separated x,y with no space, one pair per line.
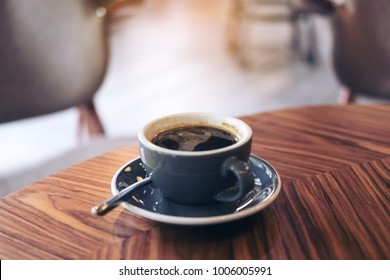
334,163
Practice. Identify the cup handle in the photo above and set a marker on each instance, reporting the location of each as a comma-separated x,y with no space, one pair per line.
245,179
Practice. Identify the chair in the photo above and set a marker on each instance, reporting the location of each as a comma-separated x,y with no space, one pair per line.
361,50
53,56
247,13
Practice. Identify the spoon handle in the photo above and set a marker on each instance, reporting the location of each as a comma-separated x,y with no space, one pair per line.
109,204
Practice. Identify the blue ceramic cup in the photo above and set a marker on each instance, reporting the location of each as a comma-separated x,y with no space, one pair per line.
199,177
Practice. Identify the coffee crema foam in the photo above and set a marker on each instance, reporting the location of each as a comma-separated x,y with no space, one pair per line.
194,138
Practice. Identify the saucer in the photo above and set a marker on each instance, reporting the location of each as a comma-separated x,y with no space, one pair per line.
148,201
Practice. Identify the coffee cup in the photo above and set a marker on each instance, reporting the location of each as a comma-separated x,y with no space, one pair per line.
198,158
193,158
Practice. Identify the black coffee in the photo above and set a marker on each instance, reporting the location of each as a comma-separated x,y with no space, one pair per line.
194,138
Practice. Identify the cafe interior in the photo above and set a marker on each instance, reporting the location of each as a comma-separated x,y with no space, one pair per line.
300,90
75,83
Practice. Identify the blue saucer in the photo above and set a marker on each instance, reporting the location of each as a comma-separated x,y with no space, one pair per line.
148,201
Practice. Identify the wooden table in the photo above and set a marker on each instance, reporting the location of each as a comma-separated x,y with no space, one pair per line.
334,162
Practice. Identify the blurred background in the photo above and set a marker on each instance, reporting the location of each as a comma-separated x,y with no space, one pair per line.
171,56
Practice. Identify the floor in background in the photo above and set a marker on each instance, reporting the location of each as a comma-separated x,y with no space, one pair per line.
167,57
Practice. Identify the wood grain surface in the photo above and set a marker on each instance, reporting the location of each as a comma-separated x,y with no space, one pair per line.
334,162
